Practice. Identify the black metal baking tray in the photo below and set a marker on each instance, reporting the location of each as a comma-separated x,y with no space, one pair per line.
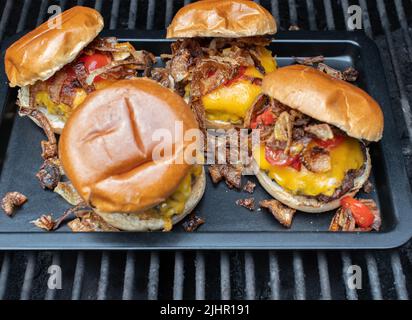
227,225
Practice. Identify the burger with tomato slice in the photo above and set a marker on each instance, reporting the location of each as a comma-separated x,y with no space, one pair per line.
220,58
110,153
60,62
314,133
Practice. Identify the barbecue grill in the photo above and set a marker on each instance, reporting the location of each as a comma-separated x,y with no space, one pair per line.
229,274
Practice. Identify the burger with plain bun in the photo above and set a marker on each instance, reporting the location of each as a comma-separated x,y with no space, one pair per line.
60,62
220,58
314,133
108,151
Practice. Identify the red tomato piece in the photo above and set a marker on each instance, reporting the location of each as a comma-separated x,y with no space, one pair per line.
266,118
361,213
296,163
331,143
94,61
277,157
211,73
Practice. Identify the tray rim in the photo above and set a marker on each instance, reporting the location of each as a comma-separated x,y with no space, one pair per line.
236,240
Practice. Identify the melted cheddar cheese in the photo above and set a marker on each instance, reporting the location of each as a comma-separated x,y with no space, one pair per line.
266,59
175,204
230,103
63,110
348,155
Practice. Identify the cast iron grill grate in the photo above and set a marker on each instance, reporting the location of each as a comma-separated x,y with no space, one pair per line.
224,275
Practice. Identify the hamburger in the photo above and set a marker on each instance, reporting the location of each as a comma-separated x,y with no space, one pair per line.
220,58
314,133
107,150
62,61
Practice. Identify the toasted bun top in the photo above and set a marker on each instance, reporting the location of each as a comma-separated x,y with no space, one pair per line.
108,145
326,99
221,18
52,45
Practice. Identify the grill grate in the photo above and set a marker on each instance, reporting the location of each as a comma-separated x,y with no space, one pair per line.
225,275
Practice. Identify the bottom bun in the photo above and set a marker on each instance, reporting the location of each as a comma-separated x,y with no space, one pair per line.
307,204
132,221
56,122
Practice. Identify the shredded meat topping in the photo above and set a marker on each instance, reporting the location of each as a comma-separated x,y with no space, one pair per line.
317,159
321,131
205,64
215,175
368,187
192,222
248,203
310,61
209,74
249,187
350,74
125,61
11,201
49,175
90,222
232,175
45,222
163,76
282,213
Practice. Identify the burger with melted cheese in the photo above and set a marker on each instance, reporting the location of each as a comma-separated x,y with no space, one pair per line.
314,133
108,151
220,58
60,62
